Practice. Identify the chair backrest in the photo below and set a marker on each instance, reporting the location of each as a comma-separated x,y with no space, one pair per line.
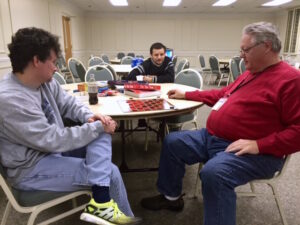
233,67
126,60
61,63
189,77
57,76
131,54
95,61
237,60
139,56
101,73
111,69
174,59
202,61
120,55
214,64
183,64
77,68
105,58
242,66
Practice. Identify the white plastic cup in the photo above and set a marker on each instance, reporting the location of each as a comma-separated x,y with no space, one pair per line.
140,78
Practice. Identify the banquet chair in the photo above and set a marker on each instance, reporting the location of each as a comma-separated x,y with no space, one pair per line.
182,64
111,69
233,69
126,60
205,71
101,73
120,55
131,54
105,58
192,78
174,59
64,70
57,76
271,182
242,66
94,61
237,60
215,70
77,69
35,202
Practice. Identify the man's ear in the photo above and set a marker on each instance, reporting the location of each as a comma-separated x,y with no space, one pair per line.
268,44
35,61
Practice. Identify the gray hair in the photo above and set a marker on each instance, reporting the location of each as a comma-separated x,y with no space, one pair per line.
262,32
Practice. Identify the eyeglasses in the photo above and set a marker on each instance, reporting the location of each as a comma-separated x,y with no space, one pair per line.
247,50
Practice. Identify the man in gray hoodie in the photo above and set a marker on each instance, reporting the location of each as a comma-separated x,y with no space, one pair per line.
36,150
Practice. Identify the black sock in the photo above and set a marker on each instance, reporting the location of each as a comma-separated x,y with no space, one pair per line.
100,194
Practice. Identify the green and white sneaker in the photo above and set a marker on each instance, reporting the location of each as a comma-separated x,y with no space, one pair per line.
106,214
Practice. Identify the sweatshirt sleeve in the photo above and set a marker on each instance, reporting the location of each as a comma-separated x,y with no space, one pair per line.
286,141
169,74
139,70
69,106
25,124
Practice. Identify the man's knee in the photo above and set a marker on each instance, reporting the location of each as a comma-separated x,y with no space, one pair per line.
105,136
213,174
171,140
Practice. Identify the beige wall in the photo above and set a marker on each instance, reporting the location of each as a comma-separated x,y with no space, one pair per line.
188,35
44,14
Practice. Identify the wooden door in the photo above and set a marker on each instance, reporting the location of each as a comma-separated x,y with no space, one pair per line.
67,37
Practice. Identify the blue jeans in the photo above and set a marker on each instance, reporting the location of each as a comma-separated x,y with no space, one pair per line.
221,174
79,170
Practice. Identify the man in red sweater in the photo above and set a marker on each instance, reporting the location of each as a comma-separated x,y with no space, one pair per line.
253,124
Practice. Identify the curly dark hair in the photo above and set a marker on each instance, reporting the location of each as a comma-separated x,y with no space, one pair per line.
157,45
30,42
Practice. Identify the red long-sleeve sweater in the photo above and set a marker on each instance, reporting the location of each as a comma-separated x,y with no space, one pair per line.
265,108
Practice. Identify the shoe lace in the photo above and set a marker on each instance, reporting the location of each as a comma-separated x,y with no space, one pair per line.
117,211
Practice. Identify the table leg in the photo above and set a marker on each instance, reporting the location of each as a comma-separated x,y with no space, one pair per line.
124,167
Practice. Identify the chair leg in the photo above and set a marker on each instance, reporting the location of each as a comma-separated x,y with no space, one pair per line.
167,131
208,81
32,217
6,213
222,75
197,181
228,80
146,137
278,203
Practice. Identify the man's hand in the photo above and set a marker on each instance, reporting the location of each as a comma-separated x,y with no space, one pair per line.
110,127
104,119
241,147
178,94
148,78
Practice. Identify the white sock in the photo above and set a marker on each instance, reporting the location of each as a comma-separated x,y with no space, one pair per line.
172,198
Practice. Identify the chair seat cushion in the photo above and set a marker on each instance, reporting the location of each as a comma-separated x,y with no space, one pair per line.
31,198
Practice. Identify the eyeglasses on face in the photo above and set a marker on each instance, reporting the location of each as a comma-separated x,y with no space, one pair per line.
247,50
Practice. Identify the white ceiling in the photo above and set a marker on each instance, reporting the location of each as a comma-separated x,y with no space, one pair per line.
186,6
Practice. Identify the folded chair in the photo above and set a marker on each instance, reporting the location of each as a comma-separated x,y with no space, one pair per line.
34,202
